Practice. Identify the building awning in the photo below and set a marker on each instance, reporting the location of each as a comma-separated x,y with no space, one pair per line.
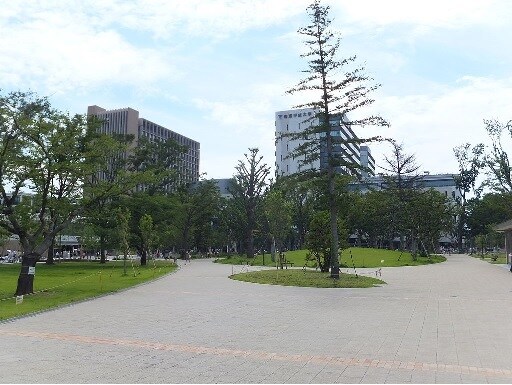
67,240
504,226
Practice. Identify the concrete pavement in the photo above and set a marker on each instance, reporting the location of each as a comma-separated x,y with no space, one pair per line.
444,323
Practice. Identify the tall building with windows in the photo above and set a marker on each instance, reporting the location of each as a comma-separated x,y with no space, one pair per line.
296,121
126,121
367,162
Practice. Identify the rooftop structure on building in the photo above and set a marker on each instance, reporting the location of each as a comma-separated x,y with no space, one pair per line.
444,183
298,120
126,121
223,185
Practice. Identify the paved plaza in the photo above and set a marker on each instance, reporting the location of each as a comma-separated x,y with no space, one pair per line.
444,323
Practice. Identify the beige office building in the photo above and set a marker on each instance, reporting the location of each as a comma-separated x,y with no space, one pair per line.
126,121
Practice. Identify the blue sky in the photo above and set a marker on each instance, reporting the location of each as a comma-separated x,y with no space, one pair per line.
217,70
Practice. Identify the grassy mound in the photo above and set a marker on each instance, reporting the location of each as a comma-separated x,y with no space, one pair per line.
308,278
353,256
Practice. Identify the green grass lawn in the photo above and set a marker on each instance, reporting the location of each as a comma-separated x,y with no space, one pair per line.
307,278
361,257
69,282
495,258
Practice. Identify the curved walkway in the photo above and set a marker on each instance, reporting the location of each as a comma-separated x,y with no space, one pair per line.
444,323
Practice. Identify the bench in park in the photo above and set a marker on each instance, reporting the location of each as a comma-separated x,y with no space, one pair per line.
283,262
286,264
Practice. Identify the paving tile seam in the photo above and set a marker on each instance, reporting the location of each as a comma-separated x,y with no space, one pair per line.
271,356
407,327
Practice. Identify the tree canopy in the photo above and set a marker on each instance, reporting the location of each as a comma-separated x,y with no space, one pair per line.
247,189
50,167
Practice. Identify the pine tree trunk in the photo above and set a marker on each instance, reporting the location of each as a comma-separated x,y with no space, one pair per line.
335,265
334,262
26,277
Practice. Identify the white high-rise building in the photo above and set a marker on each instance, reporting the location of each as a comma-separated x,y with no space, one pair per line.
367,162
292,121
295,121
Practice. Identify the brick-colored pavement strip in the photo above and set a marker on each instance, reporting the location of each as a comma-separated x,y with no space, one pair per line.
444,323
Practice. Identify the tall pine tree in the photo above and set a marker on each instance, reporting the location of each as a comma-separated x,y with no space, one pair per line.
340,92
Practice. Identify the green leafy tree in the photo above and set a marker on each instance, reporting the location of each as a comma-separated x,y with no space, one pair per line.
141,205
4,237
196,208
318,239
433,216
480,242
57,158
159,162
221,233
102,217
232,223
341,91
402,183
470,163
147,236
486,211
102,221
499,171
300,193
371,217
207,202
161,159
302,210
89,239
183,212
278,216
247,190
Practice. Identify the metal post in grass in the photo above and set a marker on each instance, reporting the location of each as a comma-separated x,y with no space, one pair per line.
353,264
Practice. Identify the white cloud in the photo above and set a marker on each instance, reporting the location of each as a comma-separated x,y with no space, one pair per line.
57,47
431,125
250,119
431,13
166,19
61,52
